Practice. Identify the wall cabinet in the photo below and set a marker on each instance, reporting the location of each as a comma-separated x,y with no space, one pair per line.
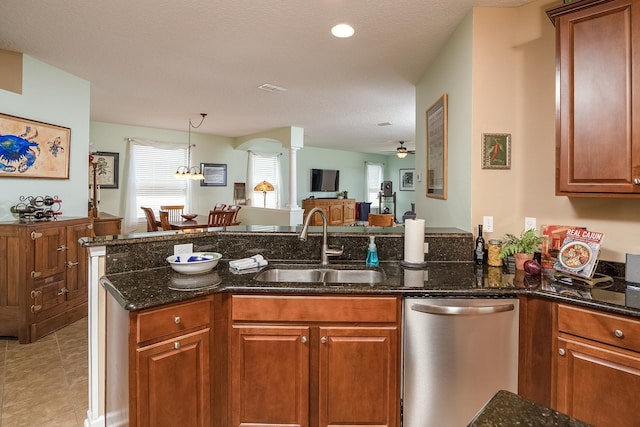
158,365
597,367
43,276
338,211
314,361
598,78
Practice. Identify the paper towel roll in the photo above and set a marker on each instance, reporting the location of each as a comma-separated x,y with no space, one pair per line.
414,278
414,241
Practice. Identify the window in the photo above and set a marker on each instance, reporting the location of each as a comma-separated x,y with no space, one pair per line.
375,176
154,170
264,167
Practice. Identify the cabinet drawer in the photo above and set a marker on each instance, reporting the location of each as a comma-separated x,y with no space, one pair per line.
605,328
171,320
314,309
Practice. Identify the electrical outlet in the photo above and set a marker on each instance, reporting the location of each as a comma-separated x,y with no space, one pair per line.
426,247
187,248
529,223
487,224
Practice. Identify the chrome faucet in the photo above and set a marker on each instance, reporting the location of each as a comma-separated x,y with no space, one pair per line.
326,250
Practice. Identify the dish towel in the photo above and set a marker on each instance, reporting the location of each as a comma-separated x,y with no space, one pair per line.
255,261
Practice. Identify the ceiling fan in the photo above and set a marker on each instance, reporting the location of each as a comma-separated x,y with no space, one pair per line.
402,151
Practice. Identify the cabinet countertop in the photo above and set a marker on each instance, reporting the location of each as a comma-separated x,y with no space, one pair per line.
142,289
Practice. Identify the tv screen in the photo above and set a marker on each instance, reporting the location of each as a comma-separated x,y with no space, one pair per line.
325,180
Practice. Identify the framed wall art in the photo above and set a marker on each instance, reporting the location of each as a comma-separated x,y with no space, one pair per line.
496,151
31,149
239,193
215,175
107,166
407,179
437,149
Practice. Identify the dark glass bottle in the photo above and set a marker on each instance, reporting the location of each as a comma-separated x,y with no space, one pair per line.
478,252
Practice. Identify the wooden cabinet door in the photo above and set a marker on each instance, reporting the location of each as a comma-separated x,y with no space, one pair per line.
349,212
49,251
596,383
76,263
269,376
358,376
173,382
335,214
598,137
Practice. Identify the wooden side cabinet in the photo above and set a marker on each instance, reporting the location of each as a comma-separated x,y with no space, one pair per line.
598,78
107,225
158,365
314,361
43,276
597,366
338,211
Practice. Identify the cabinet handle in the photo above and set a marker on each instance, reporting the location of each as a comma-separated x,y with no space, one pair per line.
177,320
62,248
176,345
36,274
323,340
618,333
71,264
303,339
63,291
561,352
35,235
36,308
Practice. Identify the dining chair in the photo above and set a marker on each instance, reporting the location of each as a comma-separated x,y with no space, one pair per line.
381,220
164,220
152,225
219,207
175,211
219,218
234,209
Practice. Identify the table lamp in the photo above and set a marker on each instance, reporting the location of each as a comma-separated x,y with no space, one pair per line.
264,186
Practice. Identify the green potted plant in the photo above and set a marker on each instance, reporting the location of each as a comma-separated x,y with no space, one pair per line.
521,248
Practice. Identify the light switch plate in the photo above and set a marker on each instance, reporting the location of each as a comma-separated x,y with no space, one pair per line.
487,224
529,223
187,248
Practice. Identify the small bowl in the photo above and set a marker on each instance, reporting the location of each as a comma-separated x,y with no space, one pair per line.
194,263
575,255
189,217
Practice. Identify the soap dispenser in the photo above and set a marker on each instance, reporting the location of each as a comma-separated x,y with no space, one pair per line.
372,253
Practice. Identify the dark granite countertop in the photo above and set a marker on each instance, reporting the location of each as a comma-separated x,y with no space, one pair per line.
136,290
509,409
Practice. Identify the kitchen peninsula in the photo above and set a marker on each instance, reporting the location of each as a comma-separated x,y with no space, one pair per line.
138,282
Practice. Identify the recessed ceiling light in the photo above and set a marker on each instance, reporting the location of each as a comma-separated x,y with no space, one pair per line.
343,31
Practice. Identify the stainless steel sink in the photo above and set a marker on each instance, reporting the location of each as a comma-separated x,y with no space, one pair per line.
320,275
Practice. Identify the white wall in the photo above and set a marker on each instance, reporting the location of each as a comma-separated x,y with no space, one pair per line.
51,96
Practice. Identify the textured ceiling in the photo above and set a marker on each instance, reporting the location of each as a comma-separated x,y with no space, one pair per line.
158,63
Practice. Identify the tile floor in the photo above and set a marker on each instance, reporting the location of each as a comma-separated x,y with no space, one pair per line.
45,383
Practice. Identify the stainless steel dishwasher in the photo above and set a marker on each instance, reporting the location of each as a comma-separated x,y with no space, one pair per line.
457,353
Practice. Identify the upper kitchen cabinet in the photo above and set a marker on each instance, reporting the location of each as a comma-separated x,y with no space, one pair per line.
598,98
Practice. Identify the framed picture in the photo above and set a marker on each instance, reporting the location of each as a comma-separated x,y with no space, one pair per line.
239,193
407,179
215,175
437,149
31,149
496,151
106,165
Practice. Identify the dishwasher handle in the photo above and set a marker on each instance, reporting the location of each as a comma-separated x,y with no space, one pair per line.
463,311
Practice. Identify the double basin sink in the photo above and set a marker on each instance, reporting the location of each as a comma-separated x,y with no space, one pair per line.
324,274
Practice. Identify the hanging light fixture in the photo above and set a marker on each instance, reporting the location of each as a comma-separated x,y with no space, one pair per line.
188,171
402,151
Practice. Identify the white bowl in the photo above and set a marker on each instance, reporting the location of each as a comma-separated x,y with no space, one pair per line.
195,262
574,255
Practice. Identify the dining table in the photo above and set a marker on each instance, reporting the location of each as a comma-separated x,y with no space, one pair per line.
200,221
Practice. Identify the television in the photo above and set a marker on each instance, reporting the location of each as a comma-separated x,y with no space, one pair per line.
325,180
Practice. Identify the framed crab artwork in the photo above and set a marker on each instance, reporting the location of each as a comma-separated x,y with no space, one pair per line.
31,149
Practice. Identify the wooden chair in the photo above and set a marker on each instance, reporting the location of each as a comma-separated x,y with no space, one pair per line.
219,218
381,220
219,207
175,211
234,209
152,225
164,220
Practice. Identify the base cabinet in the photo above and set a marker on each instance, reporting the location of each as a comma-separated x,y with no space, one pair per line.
597,367
298,361
158,365
338,211
43,276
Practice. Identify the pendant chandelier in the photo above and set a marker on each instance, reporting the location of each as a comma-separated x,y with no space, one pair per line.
188,171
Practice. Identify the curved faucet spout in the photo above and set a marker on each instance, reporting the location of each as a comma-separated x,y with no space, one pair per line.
326,252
